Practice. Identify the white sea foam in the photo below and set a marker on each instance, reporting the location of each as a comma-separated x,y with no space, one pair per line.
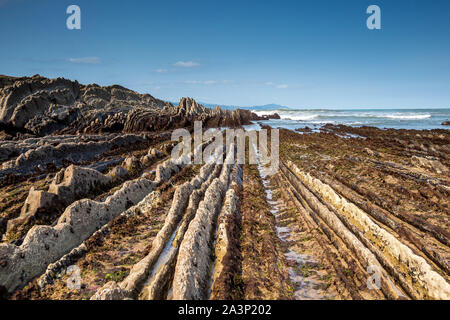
301,115
289,115
381,118
409,117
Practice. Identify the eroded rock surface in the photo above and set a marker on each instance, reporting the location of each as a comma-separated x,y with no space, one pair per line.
88,181
41,106
75,182
44,244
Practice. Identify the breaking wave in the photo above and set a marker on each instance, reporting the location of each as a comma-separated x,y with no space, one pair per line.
390,118
302,115
409,117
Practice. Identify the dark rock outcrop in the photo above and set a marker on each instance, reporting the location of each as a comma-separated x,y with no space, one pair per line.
270,116
41,106
71,151
305,129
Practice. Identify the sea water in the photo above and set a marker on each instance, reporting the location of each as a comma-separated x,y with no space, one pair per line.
382,118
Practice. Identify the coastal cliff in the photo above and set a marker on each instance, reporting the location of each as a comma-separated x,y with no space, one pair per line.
40,106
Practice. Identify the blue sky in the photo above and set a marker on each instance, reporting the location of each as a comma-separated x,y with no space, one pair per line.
310,54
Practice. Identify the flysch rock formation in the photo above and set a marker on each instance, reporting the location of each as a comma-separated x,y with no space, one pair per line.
192,271
76,182
226,249
38,158
45,244
69,184
419,280
218,232
88,182
41,106
50,122
151,277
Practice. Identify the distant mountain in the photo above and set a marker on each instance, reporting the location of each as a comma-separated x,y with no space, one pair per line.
271,106
265,107
212,106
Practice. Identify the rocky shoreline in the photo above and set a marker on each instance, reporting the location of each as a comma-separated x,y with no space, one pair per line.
88,184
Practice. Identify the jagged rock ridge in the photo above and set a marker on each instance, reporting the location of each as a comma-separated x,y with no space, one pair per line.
41,106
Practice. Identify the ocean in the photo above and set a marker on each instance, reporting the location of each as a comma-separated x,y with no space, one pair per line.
382,118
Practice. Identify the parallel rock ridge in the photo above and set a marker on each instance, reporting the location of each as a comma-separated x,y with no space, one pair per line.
41,106
88,182
45,244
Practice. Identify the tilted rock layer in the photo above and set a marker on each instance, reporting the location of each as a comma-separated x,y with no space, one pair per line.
40,106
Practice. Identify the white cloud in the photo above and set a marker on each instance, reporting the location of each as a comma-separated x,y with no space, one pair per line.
186,64
276,85
162,70
207,82
86,60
